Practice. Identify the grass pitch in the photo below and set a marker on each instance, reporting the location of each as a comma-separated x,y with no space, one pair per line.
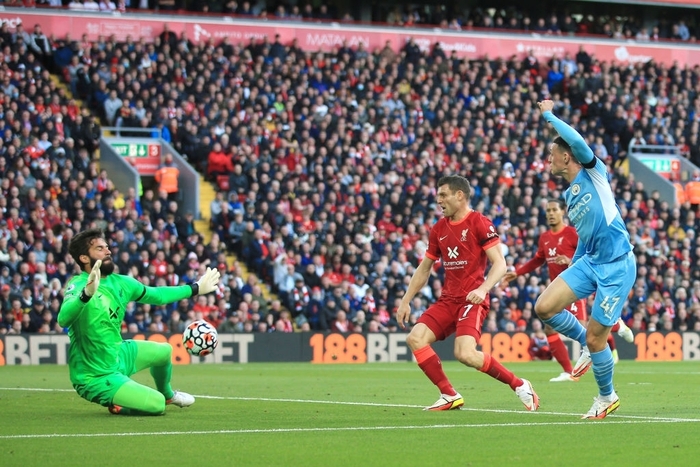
355,415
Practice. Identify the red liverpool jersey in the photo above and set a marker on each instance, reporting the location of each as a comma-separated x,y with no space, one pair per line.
461,246
549,247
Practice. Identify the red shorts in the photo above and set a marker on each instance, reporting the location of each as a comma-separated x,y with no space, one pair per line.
445,318
578,309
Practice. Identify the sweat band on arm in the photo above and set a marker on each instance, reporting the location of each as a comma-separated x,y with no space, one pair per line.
84,297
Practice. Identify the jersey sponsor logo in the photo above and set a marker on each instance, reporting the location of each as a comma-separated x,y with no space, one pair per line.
464,235
578,210
552,252
575,189
453,254
442,238
492,232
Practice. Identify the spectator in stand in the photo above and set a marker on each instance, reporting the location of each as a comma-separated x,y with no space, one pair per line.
352,143
167,176
218,162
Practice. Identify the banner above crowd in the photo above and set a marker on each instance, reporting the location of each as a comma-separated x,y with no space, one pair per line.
325,37
676,3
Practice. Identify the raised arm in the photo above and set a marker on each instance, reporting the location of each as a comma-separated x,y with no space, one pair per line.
207,283
579,147
72,305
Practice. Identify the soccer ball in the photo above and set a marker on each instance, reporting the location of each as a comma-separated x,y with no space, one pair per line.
200,338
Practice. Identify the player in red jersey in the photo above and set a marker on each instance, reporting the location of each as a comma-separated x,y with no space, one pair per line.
463,239
556,247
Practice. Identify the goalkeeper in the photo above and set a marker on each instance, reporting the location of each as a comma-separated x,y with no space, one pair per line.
100,362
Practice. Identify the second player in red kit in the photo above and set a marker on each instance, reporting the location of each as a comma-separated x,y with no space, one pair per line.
556,247
464,240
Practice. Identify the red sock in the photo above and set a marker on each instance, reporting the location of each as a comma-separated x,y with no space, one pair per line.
616,327
611,341
560,352
494,369
430,363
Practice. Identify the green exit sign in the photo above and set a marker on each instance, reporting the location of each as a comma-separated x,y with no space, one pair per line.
144,157
657,165
136,149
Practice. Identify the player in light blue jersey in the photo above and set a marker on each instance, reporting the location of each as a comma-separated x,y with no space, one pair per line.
603,262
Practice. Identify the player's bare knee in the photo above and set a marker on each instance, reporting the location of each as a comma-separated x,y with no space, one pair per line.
596,343
416,341
543,310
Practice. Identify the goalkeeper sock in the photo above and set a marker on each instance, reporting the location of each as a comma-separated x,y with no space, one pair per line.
156,356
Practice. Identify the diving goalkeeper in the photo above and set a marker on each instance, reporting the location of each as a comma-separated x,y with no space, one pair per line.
100,362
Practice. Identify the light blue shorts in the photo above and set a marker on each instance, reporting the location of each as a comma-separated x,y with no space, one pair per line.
611,282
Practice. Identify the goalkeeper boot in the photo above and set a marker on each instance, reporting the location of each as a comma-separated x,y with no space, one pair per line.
181,399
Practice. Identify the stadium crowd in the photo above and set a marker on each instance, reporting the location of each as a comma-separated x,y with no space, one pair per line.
614,21
326,165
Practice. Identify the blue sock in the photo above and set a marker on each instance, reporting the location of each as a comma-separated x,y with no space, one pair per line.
603,366
567,324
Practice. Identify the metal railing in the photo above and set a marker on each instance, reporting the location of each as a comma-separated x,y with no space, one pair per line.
116,131
125,176
648,161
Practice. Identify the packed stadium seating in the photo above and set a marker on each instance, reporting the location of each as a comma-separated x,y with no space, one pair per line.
326,166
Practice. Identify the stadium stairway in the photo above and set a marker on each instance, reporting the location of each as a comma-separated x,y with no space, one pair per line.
207,194
60,84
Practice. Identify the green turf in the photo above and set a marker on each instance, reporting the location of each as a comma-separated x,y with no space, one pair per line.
294,427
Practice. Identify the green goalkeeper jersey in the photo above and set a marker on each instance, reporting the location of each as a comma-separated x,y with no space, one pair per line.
95,326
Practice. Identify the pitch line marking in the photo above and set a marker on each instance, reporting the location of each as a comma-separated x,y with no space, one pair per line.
322,429
377,404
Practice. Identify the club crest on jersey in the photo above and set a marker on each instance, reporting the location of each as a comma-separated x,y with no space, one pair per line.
464,235
575,189
452,253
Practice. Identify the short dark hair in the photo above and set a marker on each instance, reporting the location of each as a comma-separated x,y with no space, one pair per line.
559,141
456,183
559,201
80,244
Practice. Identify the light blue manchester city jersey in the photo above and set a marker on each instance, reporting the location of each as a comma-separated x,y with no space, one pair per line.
591,204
